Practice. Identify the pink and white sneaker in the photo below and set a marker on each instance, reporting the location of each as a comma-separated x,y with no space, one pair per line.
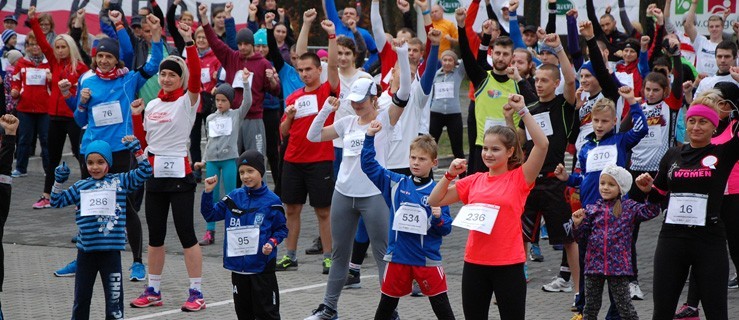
195,302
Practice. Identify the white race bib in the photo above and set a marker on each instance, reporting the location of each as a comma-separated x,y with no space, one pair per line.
626,79
204,75
707,62
242,241
35,77
653,139
220,126
107,113
687,209
545,123
443,90
306,105
411,218
600,157
491,122
239,79
353,143
97,202
169,167
477,217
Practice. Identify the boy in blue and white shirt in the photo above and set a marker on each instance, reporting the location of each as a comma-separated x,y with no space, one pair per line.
101,218
255,225
416,228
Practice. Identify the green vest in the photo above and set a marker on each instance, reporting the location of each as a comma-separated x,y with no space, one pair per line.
489,102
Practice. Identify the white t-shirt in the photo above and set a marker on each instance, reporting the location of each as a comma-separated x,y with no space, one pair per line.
168,125
351,181
345,106
407,128
709,82
705,51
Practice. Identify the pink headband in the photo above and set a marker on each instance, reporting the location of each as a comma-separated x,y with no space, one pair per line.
703,111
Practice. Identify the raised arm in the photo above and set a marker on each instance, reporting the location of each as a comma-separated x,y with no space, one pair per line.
689,24
610,90
573,39
333,55
317,132
301,46
427,79
639,121
535,161
361,45
552,21
179,43
247,100
625,21
41,37
590,8
568,72
516,35
378,30
474,70
274,52
193,64
444,193
400,98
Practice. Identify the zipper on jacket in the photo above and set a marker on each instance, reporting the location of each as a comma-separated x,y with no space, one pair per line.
605,240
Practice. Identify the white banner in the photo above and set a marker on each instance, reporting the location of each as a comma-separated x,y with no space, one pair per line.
706,8
632,10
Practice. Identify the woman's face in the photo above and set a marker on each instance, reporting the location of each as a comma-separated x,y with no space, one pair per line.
494,152
45,26
280,33
700,130
201,41
364,107
186,20
32,47
630,55
61,50
448,63
105,61
169,80
270,4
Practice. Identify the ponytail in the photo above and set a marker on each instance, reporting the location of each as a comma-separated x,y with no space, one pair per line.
617,208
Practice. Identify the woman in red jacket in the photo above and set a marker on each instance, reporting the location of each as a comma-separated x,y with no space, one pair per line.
66,67
30,86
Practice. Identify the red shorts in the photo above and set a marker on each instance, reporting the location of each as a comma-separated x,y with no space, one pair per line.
398,280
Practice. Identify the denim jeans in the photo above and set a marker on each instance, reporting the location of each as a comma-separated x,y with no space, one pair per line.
32,124
89,264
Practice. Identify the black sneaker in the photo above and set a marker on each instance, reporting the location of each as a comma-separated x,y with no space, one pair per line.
323,312
286,264
353,281
316,248
733,283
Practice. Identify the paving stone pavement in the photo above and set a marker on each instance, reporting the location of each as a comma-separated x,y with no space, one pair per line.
37,242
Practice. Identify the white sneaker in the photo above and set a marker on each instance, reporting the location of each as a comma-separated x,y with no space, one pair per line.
635,291
557,285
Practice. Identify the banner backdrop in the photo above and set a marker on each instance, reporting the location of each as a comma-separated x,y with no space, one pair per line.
632,10
706,8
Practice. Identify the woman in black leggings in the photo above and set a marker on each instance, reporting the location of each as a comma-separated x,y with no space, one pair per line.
693,178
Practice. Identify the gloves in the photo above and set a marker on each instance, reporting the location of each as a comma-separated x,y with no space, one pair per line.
132,146
61,173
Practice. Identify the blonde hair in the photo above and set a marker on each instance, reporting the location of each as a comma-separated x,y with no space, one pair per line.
509,137
74,53
604,104
183,66
425,143
187,14
709,98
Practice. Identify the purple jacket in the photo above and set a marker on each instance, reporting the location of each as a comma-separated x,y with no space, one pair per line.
232,62
609,237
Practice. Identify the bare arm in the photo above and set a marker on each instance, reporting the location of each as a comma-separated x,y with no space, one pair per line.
301,46
689,25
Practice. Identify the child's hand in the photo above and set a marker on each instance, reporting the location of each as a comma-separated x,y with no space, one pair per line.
560,173
644,182
210,183
628,94
61,173
374,127
246,74
131,143
198,165
267,248
578,216
436,212
457,166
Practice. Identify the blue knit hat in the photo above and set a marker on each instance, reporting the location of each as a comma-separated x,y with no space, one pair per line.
260,38
102,148
7,34
588,66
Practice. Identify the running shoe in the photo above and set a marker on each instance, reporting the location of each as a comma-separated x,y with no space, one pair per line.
149,298
316,248
535,253
687,312
543,234
286,264
395,315
42,203
323,312
558,247
635,290
416,291
17,174
208,238
353,281
67,271
326,265
573,308
733,283
138,272
557,285
195,302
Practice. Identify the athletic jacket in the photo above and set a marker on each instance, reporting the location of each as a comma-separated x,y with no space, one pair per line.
103,233
624,141
33,98
404,247
609,237
243,207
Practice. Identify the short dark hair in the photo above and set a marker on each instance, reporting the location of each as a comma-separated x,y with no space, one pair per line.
503,41
727,45
347,43
408,30
311,56
658,78
551,68
216,11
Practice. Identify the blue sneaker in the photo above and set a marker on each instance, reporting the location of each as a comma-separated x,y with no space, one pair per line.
526,272
138,272
17,174
68,271
535,253
544,235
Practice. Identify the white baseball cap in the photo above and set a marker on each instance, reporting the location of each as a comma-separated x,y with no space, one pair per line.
361,89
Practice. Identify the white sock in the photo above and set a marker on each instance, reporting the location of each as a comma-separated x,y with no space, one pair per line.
154,281
195,283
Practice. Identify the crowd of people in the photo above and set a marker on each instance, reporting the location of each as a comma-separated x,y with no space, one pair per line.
649,114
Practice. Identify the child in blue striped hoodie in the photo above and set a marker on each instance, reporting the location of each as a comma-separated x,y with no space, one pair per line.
101,218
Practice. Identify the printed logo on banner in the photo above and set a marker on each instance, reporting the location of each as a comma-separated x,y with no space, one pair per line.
713,6
449,5
563,6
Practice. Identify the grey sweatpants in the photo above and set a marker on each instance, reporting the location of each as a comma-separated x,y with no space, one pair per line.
251,136
345,212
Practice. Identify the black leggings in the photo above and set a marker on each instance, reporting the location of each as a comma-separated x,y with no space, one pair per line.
271,120
59,129
708,259
157,210
454,128
439,303
480,282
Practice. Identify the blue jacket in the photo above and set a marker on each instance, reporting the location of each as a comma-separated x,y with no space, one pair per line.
242,207
123,90
404,247
103,233
624,141
342,30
